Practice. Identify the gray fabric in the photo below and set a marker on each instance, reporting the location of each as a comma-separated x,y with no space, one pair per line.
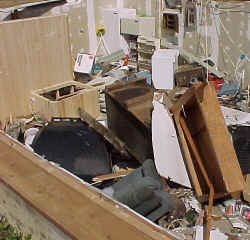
148,206
143,191
146,170
136,193
133,177
167,205
149,170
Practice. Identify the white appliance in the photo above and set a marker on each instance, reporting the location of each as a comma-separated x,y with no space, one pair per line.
111,21
164,64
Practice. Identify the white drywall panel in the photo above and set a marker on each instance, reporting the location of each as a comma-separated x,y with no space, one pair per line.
167,153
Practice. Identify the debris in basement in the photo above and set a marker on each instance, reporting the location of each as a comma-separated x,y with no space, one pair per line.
104,132
75,146
29,136
183,131
13,129
150,196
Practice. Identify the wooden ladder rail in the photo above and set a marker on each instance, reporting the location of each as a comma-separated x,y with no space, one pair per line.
204,173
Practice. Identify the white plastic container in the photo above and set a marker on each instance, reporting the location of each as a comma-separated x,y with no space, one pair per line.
164,64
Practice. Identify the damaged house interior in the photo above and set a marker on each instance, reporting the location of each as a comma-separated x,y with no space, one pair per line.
125,119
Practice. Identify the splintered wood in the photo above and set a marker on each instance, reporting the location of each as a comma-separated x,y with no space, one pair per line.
105,132
35,53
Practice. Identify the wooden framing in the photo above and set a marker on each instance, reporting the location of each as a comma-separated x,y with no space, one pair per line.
64,100
76,208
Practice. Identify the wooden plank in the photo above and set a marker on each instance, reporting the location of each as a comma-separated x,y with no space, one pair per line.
14,4
106,133
23,216
35,53
119,174
246,192
204,174
188,158
76,208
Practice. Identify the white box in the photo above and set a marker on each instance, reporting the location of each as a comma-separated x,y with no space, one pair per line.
129,26
147,26
164,64
143,26
84,63
111,21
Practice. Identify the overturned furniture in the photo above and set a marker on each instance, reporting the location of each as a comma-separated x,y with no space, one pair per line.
129,109
198,113
209,153
63,100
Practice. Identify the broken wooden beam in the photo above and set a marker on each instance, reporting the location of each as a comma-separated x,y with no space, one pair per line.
108,135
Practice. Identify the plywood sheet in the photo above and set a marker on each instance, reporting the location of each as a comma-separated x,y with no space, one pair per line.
35,53
76,208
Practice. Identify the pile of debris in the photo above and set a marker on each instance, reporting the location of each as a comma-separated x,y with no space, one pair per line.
188,183
168,140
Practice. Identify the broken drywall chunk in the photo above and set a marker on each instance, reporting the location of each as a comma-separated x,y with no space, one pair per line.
167,153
